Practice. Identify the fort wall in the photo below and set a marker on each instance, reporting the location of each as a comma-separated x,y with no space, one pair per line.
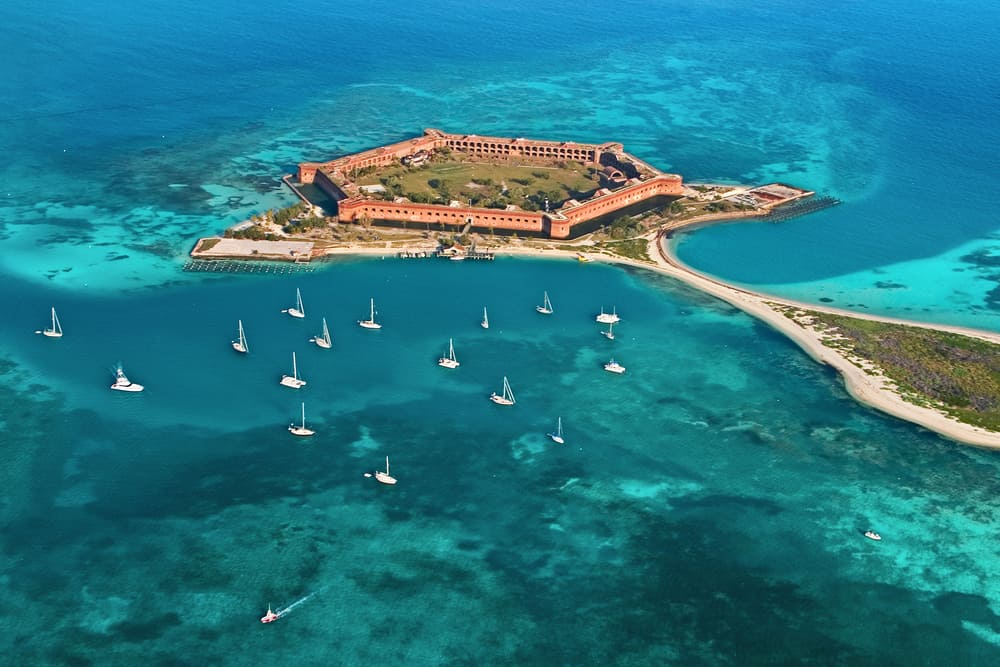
334,178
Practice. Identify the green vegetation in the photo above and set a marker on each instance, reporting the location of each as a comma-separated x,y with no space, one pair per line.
208,244
483,184
625,227
632,248
956,373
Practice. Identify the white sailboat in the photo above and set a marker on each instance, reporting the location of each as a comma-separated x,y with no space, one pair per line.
608,318
385,477
240,345
299,310
546,307
450,361
293,380
370,323
507,398
301,430
486,320
614,367
323,340
55,331
609,334
122,383
558,435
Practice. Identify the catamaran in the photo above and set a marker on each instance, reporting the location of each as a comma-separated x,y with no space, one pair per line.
122,383
608,318
609,334
546,307
370,323
385,477
323,340
507,398
301,430
299,310
450,361
293,380
240,345
557,436
486,320
614,367
55,331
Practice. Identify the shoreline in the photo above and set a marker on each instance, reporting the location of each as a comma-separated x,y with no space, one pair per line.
873,391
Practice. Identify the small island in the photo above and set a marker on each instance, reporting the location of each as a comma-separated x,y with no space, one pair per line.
444,195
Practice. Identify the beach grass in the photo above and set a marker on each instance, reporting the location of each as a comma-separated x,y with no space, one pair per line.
957,374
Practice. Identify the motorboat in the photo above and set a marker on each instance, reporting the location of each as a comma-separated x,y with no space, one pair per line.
122,383
614,367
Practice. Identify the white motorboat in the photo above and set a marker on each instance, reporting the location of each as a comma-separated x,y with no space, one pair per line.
370,323
323,340
507,398
608,318
299,310
872,535
558,435
122,383
385,477
240,345
614,367
450,361
295,429
546,307
293,380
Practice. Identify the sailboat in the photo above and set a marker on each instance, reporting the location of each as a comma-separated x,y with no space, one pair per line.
450,361
486,320
609,334
508,396
557,436
370,323
293,380
614,367
240,345
301,430
608,318
546,307
55,331
385,477
299,310
324,339
122,383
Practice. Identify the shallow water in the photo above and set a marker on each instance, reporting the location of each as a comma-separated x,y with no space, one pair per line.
708,506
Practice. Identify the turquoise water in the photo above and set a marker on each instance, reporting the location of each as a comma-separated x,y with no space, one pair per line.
708,506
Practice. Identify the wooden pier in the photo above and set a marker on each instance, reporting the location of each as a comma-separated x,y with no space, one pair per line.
246,266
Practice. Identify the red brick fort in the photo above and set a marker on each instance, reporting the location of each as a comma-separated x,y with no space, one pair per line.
628,181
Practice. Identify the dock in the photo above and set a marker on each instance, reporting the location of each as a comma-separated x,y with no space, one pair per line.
801,207
246,266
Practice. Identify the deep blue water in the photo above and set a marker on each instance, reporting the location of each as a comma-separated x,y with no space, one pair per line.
708,505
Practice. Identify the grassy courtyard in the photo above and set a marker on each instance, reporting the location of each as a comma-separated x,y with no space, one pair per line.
484,184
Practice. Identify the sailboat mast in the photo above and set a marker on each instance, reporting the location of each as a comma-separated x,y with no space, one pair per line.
387,465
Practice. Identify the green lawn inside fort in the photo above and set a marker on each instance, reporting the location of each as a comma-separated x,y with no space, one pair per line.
485,185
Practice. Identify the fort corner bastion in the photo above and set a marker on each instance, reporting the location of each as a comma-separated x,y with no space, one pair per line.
622,182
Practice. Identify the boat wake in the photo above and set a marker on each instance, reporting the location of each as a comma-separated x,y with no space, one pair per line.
302,600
